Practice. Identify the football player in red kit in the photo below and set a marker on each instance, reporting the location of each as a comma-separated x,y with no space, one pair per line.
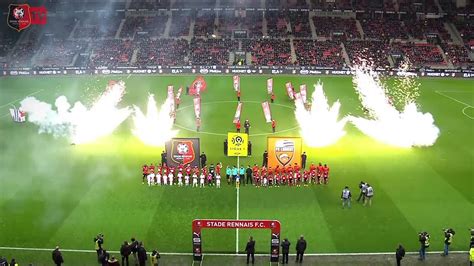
218,168
306,176
325,174
188,170
145,172
319,175
256,176
277,179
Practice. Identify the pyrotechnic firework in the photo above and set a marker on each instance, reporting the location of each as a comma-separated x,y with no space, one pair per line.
80,124
154,128
319,125
386,124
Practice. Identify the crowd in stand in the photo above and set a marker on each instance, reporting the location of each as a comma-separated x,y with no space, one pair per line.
204,24
322,54
300,24
384,29
329,27
180,24
112,53
58,52
421,29
227,22
277,22
457,54
270,52
375,52
420,54
170,52
253,23
151,26
211,51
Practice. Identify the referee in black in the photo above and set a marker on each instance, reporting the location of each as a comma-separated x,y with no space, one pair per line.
248,172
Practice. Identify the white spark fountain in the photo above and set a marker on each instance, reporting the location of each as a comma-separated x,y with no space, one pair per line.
80,124
386,124
154,128
319,125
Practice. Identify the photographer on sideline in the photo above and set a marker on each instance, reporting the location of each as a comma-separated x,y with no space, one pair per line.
448,238
424,239
99,241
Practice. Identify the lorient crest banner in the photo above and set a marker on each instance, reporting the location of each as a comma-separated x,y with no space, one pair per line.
183,151
284,151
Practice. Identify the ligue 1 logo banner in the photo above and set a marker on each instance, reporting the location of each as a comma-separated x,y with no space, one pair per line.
283,151
237,144
183,151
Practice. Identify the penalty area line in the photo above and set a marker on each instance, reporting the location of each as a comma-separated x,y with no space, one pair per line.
231,254
466,106
12,102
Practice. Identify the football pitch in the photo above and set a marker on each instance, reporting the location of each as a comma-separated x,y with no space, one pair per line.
54,193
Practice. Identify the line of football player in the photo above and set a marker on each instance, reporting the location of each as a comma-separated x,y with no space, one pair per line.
185,175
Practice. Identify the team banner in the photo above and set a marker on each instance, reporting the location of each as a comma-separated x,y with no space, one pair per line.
270,86
17,115
236,83
183,151
237,144
299,97
237,112
197,107
170,92
303,92
266,112
283,151
289,90
199,85
178,95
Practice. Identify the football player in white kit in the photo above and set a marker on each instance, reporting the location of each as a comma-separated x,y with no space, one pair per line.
186,180
165,179
158,179
195,180
170,178
151,179
201,180
180,179
218,181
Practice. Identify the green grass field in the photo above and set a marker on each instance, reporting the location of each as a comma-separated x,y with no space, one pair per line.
54,193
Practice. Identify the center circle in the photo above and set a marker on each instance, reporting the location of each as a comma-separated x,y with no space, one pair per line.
193,129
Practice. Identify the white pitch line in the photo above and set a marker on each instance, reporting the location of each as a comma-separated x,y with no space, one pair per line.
454,99
466,106
231,254
237,218
31,94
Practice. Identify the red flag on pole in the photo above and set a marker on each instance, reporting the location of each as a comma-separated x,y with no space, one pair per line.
237,112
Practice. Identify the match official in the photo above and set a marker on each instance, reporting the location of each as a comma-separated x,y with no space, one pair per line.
203,159
303,160
265,159
285,249
250,249
249,175
300,249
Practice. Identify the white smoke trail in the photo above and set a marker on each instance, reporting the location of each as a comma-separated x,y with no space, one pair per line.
78,123
405,128
154,128
320,125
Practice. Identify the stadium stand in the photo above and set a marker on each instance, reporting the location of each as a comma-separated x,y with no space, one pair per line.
373,51
180,23
204,23
112,53
152,26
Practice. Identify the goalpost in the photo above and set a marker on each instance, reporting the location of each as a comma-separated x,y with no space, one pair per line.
200,224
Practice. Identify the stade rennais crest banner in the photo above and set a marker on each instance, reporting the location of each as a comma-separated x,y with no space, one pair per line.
183,151
237,144
283,151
